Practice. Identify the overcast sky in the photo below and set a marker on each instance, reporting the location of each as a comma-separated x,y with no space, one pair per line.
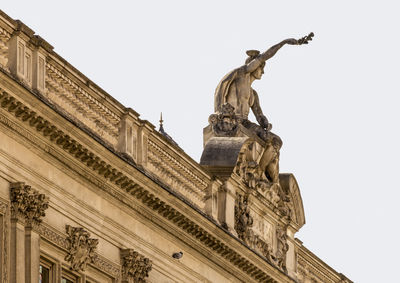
334,102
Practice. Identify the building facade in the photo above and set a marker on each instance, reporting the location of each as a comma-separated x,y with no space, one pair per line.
89,192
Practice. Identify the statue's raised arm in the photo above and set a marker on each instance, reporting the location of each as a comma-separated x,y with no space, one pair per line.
235,87
261,58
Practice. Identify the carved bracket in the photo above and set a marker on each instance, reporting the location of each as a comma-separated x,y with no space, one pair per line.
81,249
135,266
27,204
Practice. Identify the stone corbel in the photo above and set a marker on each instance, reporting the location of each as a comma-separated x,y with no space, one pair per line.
135,267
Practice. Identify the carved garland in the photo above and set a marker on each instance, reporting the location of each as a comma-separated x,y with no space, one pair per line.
116,177
135,266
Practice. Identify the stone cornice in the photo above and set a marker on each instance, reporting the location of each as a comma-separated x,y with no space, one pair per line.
311,265
113,175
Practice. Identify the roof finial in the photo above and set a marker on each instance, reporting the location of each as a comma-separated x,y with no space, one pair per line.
161,129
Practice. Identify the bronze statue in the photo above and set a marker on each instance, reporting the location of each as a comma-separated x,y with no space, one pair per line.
234,97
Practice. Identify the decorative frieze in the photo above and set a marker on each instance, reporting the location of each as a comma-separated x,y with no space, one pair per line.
27,204
178,176
81,105
107,266
81,248
135,266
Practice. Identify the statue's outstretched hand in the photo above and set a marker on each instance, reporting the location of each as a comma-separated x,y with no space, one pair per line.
306,39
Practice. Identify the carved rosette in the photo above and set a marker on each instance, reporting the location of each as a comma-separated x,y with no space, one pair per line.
135,266
81,249
27,204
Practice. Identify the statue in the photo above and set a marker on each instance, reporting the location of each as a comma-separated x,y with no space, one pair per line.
234,97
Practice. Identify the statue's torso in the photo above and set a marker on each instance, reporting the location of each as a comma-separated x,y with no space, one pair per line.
240,95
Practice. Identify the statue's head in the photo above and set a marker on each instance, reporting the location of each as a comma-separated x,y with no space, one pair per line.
257,74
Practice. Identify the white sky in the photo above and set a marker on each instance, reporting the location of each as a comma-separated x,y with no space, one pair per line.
333,102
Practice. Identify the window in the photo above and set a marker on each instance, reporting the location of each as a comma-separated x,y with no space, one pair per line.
66,280
44,274
68,277
47,269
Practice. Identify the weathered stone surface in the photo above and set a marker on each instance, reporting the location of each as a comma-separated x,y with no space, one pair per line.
109,172
222,151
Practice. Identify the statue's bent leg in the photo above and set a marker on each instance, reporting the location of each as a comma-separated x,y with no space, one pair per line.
273,169
256,129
